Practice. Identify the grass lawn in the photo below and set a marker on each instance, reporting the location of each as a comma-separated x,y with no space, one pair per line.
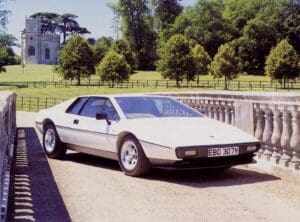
16,73
45,73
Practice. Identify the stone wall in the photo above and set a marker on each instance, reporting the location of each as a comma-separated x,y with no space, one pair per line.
273,118
7,138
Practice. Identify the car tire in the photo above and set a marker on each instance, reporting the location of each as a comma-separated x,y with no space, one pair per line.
52,145
132,159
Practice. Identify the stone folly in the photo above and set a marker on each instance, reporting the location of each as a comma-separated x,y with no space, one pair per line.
38,47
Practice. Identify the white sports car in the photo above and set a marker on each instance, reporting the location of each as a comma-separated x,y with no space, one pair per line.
141,131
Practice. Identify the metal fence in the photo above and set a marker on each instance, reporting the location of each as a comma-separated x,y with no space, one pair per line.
33,104
211,84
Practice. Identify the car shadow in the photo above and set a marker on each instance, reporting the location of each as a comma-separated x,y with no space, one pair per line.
34,195
195,178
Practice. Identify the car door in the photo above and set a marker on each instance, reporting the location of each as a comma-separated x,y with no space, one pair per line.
93,133
65,122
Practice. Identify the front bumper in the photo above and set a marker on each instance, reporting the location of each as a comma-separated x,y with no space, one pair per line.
200,163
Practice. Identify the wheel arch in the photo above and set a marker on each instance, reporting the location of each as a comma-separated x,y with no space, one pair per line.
46,122
121,136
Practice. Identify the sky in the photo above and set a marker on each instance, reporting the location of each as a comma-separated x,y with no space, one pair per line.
93,14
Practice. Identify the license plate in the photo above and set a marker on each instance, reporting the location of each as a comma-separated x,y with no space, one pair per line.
225,151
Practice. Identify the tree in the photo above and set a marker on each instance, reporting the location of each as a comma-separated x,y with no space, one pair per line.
165,12
283,63
3,16
49,21
177,61
204,23
101,47
224,64
113,68
75,59
137,30
68,25
122,47
201,60
3,58
65,24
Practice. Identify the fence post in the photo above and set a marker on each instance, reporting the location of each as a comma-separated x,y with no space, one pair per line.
22,102
46,103
38,103
29,107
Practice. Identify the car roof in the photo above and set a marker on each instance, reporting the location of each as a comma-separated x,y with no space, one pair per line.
122,95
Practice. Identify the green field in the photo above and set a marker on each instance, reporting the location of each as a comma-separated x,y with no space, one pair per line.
45,73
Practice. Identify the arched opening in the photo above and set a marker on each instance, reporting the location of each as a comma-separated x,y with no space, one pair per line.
47,53
31,51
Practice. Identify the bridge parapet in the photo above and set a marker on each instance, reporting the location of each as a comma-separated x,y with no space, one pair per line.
273,118
7,138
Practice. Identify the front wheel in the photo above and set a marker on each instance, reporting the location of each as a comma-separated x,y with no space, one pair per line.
52,145
132,159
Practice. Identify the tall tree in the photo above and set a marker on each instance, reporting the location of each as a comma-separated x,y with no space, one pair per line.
177,61
204,24
3,16
65,24
68,25
224,64
201,60
122,47
165,12
101,47
49,21
137,29
283,63
75,59
113,68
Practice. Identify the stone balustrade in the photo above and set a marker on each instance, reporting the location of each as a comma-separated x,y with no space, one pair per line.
272,118
7,138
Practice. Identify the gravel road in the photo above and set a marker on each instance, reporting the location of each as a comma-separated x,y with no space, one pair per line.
94,189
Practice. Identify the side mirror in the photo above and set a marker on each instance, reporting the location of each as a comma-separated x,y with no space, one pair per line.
103,116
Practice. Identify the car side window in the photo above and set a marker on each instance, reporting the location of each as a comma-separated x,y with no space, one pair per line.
110,111
93,106
76,105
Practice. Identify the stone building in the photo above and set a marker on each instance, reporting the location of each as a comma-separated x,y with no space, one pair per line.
38,47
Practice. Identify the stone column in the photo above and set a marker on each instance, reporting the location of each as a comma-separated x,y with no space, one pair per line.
276,136
260,125
286,137
267,135
295,139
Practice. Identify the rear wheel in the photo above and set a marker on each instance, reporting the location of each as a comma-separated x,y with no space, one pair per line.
132,159
52,145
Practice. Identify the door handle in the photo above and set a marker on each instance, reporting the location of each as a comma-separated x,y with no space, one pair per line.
76,121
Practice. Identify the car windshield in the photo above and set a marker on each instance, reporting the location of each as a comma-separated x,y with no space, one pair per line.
150,107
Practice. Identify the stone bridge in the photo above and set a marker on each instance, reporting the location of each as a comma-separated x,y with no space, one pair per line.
87,188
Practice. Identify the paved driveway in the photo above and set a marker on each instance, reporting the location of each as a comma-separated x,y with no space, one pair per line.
87,188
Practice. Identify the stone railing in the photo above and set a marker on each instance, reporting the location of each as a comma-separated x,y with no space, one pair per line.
7,138
272,118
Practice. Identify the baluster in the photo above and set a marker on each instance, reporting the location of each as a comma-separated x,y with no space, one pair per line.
268,133
276,136
232,114
216,112
210,110
227,113
286,137
295,139
260,125
222,113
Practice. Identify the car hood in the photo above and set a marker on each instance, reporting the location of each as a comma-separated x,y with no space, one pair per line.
178,132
